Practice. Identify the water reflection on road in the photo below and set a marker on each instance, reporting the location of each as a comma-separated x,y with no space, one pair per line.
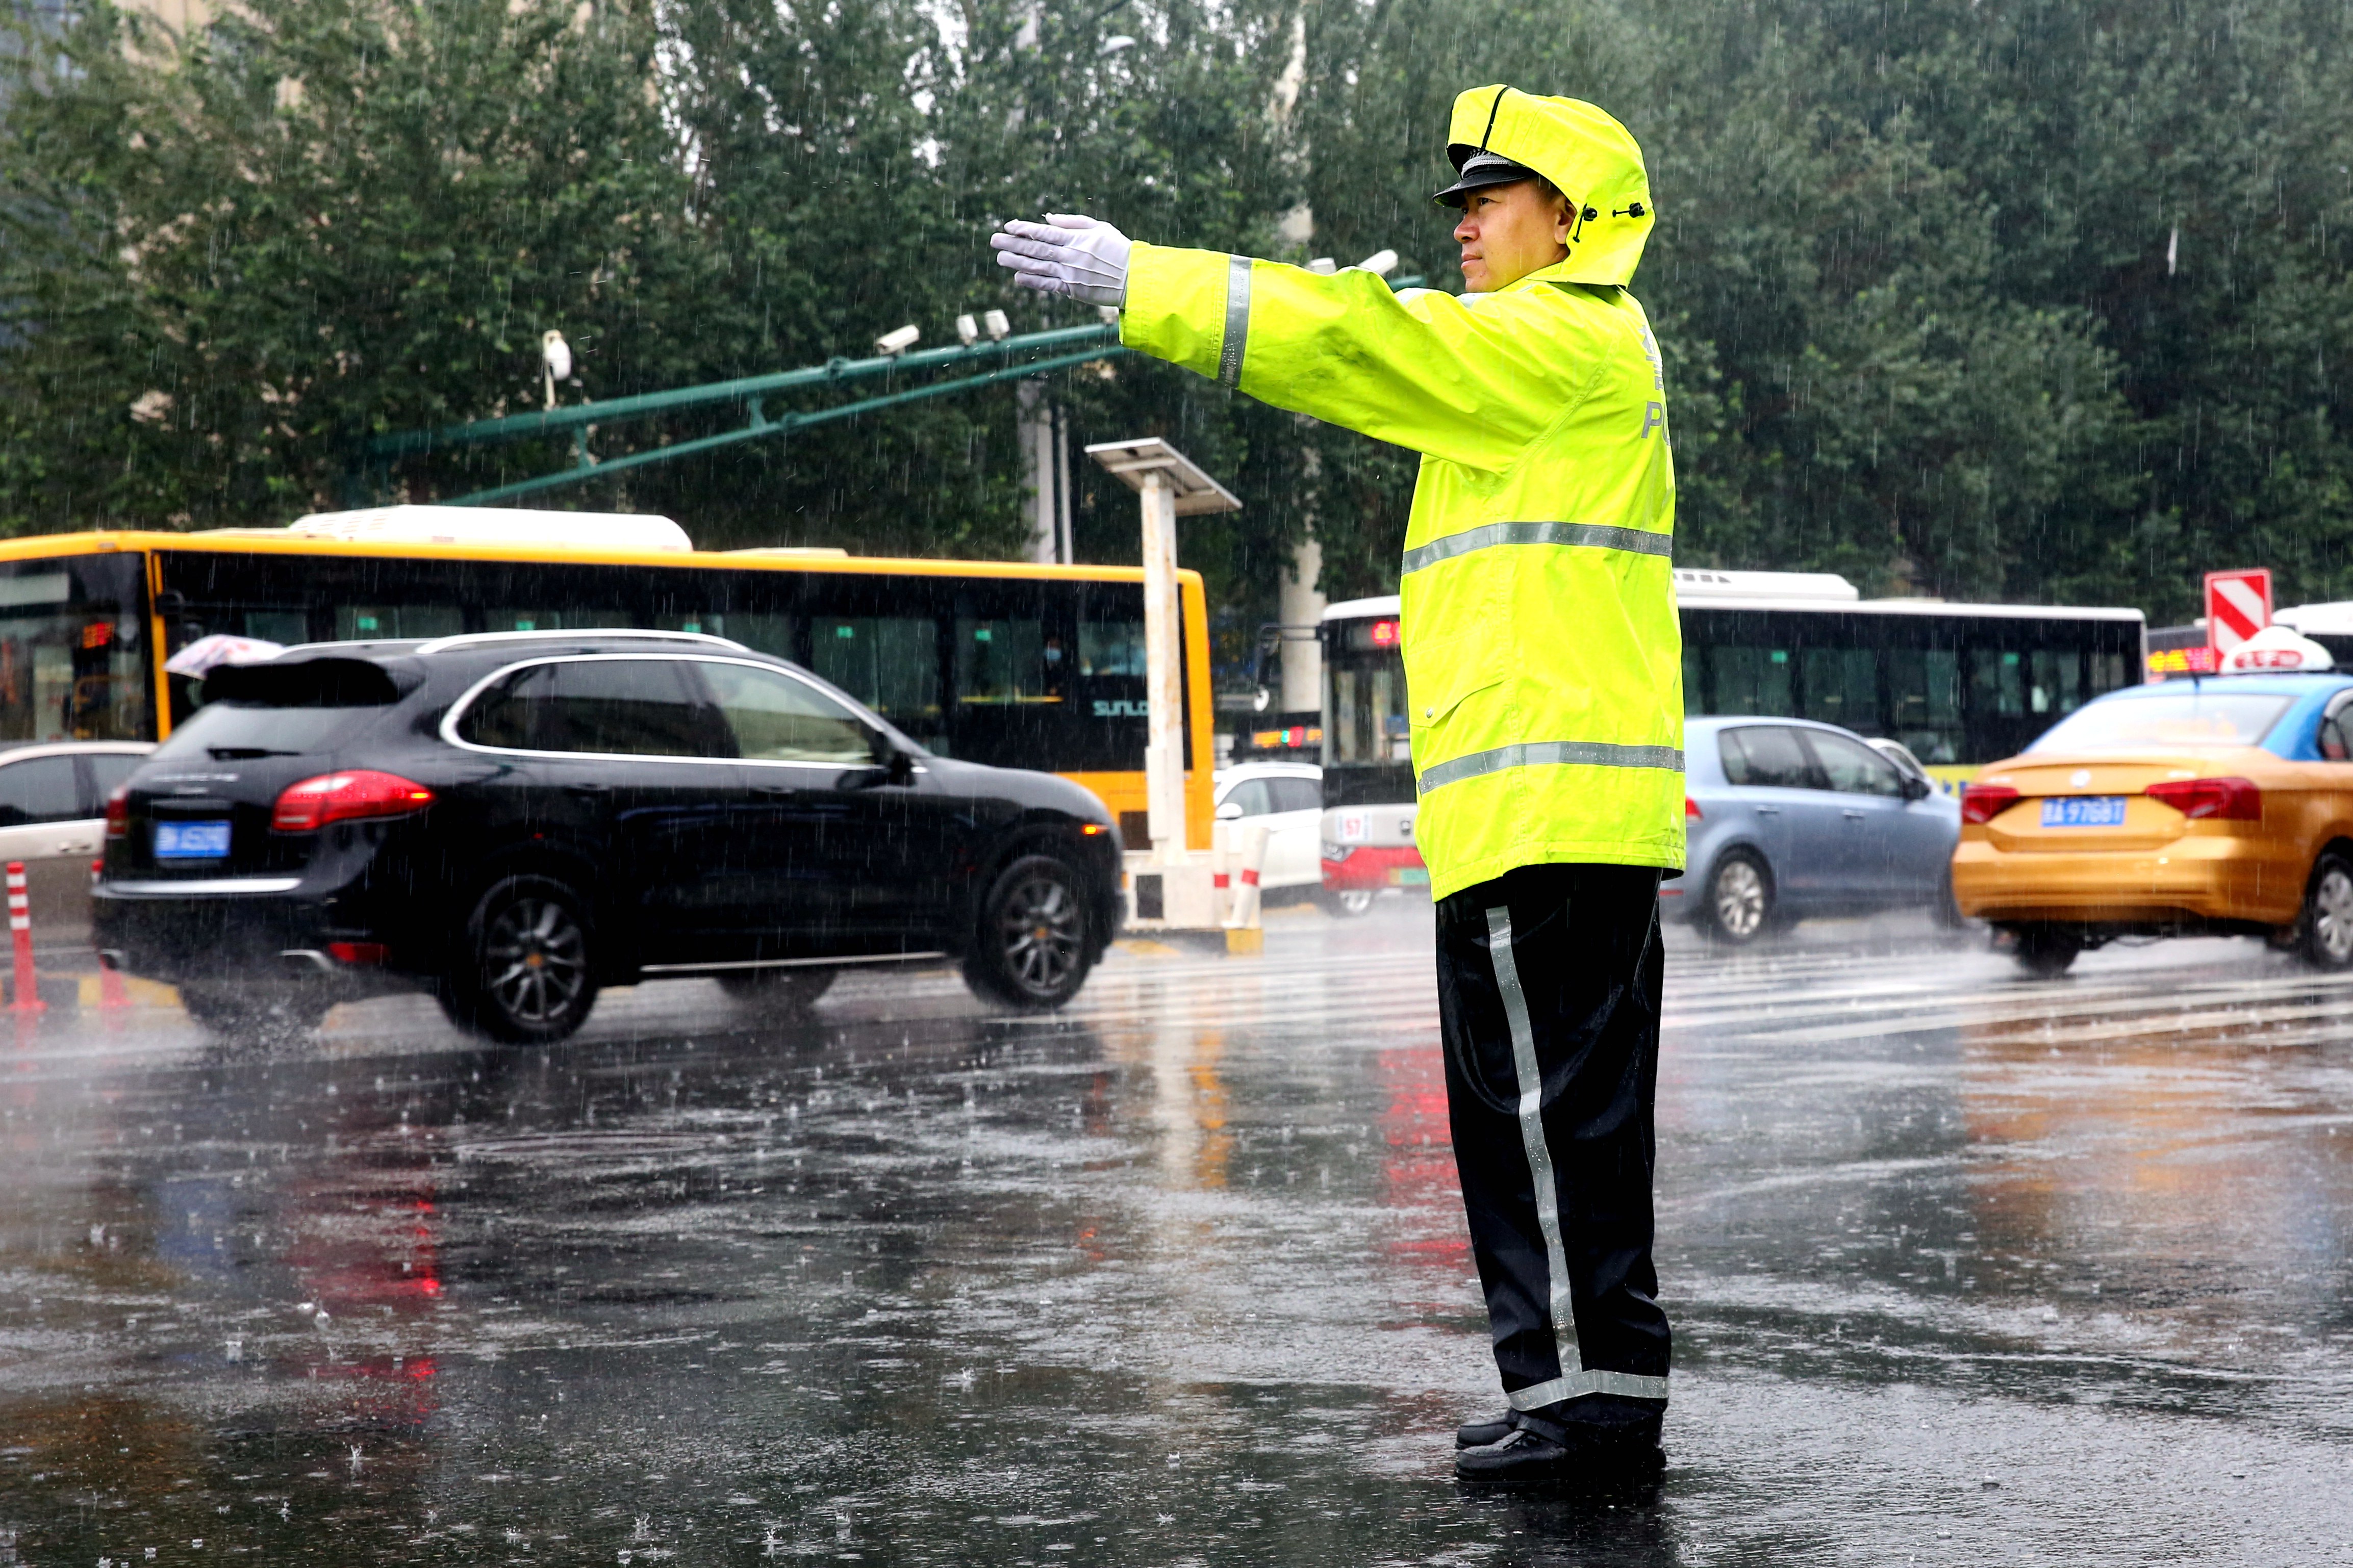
1964,1268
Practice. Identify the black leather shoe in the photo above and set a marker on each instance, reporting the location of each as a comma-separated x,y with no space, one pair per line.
1479,1434
1538,1451
1534,1452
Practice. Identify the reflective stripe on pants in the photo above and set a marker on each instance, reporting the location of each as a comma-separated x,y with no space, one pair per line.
1548,993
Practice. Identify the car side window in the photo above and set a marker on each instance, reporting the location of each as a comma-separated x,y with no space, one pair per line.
778,719
1250,794
1296,795
2336,730
38,789
1766,755
1853,768
626,707
108,771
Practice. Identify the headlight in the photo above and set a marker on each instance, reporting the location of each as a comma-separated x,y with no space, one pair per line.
1337,851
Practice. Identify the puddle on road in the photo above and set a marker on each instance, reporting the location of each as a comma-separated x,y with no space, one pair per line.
1179,1277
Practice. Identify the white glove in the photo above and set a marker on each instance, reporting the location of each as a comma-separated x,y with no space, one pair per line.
1067,255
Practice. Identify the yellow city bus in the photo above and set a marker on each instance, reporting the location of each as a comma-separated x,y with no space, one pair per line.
998,662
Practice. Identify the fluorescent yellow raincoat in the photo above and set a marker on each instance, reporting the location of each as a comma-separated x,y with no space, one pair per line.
1543,654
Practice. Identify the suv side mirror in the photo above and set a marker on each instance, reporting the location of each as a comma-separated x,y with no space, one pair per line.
897,767
1230,812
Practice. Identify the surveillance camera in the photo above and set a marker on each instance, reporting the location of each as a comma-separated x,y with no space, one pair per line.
556,354
997,324
1380,263
897,341
967,331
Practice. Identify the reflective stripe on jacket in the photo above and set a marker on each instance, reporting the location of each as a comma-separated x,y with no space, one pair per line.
1543,655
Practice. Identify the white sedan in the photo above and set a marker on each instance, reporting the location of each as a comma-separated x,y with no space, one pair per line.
1289,798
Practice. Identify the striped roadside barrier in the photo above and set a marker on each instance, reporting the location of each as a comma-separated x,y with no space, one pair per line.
1244,930
20,929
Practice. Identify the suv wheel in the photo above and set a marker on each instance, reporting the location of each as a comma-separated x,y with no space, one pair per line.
779,992
2325,929
1347,901
1032,949
523,974
1740,902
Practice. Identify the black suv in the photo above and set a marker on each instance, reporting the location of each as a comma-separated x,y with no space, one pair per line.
513,820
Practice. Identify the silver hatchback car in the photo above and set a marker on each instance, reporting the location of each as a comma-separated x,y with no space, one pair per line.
1786,818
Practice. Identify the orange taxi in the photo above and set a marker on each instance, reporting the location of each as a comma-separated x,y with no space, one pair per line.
2220,805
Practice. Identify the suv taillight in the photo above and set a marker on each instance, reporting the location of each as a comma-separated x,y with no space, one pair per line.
2229,799
341,797
1983,803
118,812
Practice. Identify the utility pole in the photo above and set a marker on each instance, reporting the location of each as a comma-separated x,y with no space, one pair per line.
1299,605
1043,435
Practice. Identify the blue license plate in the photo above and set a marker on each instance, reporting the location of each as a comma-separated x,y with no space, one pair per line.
191,841
2083,811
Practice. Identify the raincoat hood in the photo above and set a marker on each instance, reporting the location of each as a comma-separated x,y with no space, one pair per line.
1594,160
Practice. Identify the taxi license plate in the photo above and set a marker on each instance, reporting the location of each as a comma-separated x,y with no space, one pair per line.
2083,811
1409,876
191,841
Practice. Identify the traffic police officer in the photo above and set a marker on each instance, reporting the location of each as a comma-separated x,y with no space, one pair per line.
1544,662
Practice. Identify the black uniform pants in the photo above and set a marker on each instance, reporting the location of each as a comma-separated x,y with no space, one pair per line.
1549,980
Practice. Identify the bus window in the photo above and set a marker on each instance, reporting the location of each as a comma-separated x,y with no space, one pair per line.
72,650
364,621
2058,686
1694,680
767,634
288,626
1368,717
1997,683
1112,649
1004,661
1752,680
1842,686
1923,695
1110,698
890,663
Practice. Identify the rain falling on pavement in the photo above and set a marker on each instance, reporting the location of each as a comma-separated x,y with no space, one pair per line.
1964,1268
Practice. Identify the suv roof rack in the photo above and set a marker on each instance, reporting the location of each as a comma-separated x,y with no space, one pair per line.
342,643
466,639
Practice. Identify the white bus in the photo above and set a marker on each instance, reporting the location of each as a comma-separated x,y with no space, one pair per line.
1959,685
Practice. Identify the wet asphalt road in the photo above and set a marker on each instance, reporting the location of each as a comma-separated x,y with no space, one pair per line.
1964,1268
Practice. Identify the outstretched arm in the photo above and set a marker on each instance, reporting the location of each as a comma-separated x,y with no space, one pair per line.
1471,384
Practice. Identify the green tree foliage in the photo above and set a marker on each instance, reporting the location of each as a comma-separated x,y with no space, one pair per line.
2008,298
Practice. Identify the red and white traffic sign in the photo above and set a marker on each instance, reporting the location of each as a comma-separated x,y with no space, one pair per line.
2238,606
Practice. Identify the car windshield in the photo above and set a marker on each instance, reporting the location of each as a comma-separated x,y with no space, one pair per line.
2192,718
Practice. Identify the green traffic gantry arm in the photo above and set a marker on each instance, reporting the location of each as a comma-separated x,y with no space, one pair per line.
590,467
523,426
1092,343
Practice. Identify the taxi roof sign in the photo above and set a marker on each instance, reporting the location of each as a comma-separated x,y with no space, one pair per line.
2276,649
